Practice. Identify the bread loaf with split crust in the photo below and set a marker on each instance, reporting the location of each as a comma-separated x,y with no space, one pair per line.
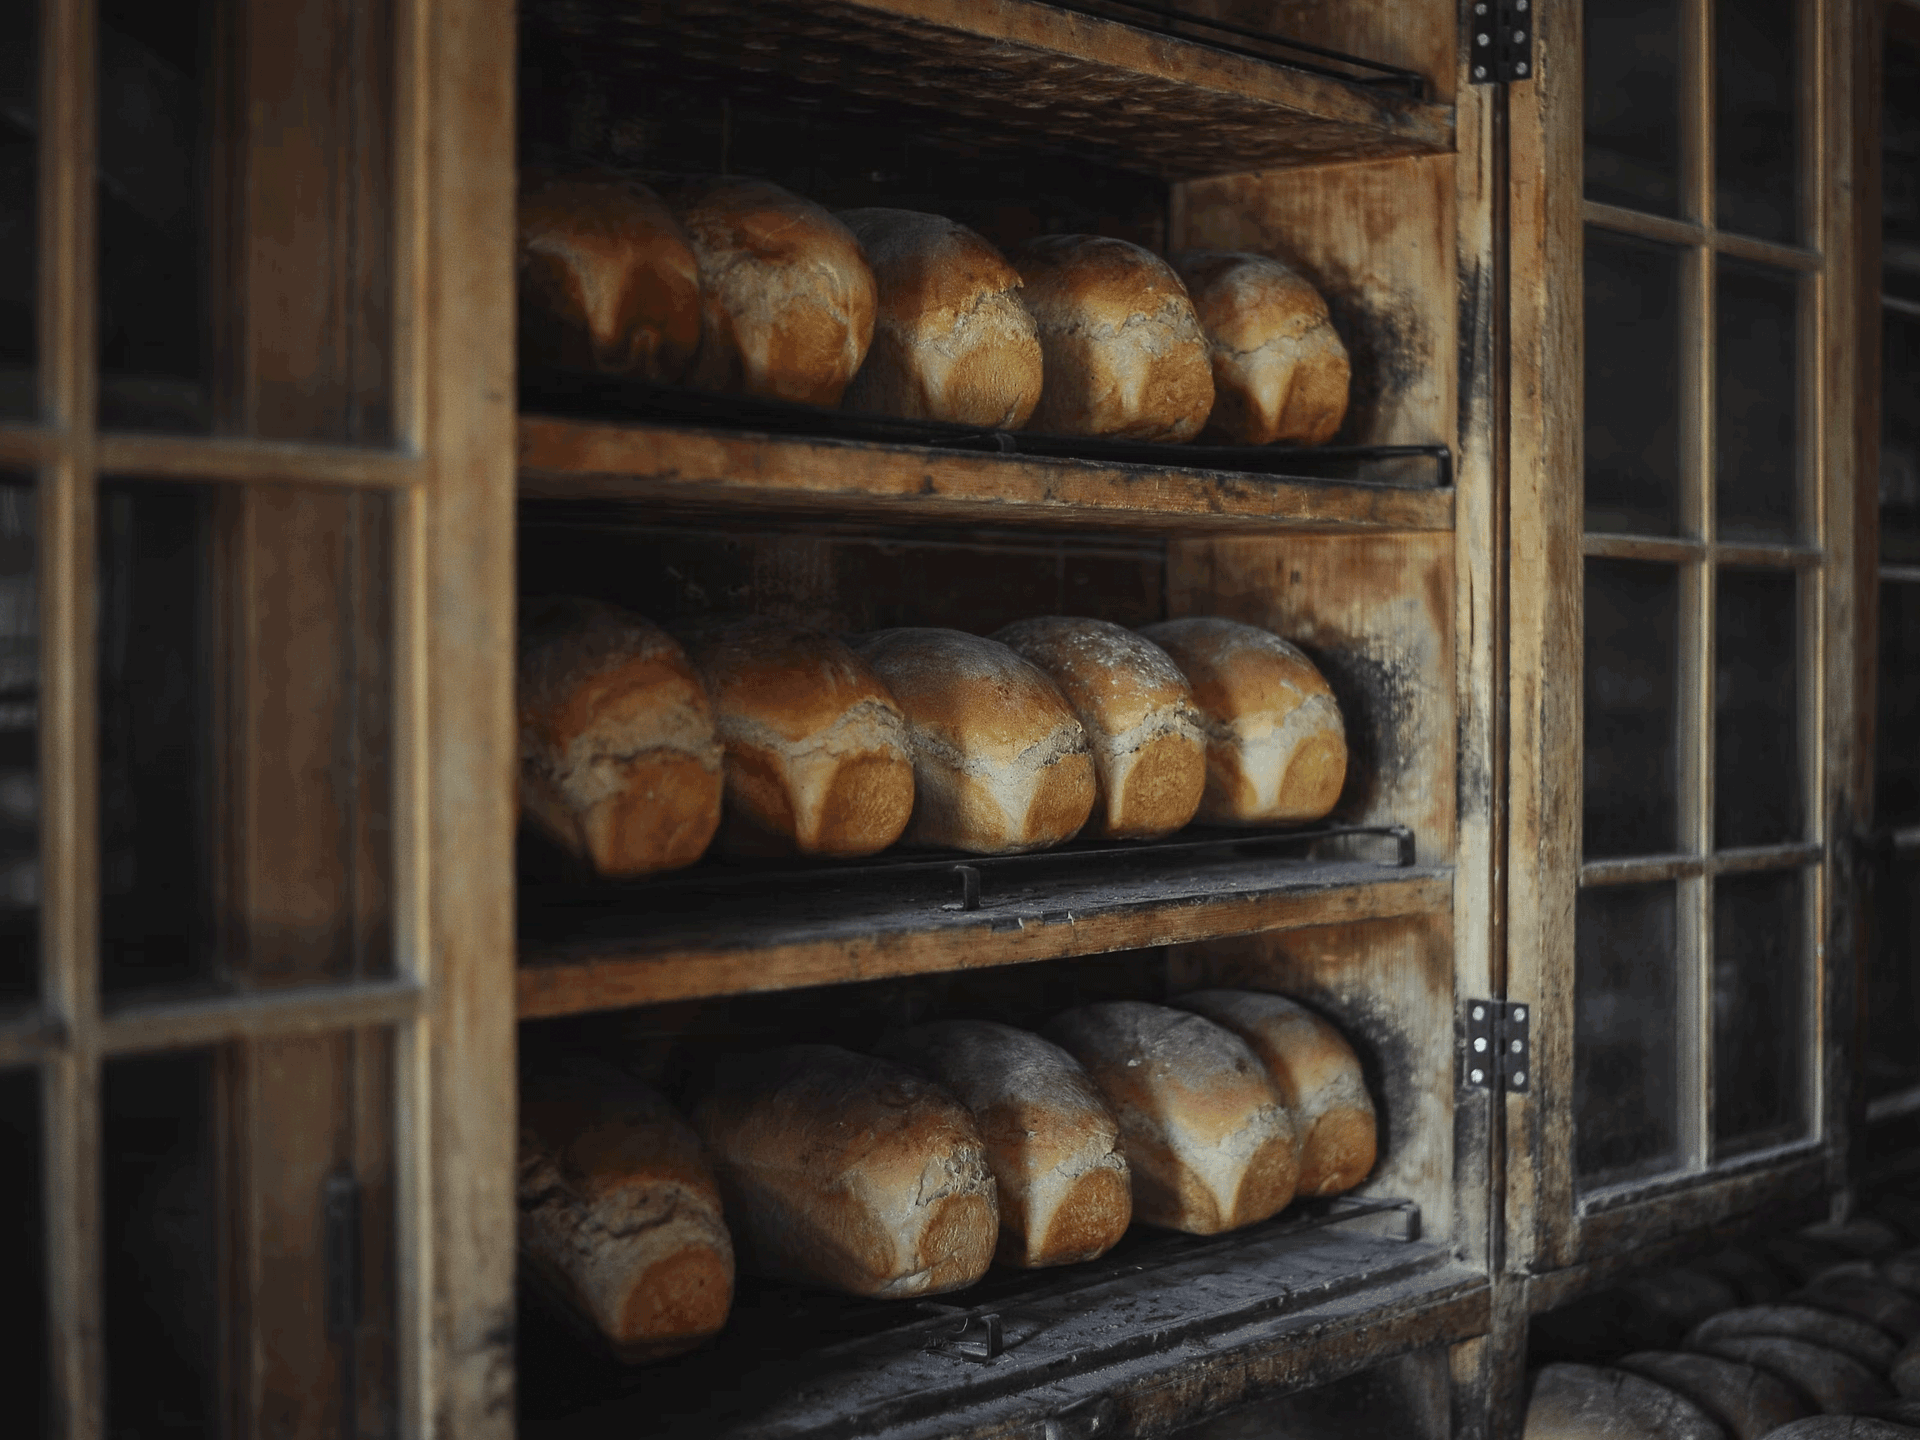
1209,1143
618,760
620,1217
1124,353
849,1171
1000,764
607,278
1051,1141
1318,1075
1276,745
1280,371
1149,752
816,750
788,300
952,340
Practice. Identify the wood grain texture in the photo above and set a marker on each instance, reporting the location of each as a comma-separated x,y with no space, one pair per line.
1387,986
1423,38
1013,71
704,471
839,944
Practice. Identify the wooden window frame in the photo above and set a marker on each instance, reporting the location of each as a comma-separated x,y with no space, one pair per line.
1551,1224
450,471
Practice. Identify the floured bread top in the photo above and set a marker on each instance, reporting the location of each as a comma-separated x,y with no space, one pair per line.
932,272
972,702
608,277
1249,301
604,1132
1240,672
596,682
1310,1061
1099,283
993,1067
789,299
1113,677
775,684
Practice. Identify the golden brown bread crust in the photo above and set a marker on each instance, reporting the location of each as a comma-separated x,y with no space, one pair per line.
1149,751
1280,371
1208,1141
1051,1141
1000,764
1276,745
607,278
1124,352
789,300
817,759
952,341
618,760
1318,1076
620,1217
849,1171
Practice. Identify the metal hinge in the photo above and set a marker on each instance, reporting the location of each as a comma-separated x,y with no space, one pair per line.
1502,40
1498,1040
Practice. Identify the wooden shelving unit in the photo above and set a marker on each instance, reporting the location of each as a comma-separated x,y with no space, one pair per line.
698,470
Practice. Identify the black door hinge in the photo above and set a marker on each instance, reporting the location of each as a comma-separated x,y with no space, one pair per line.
1497,1041
1501,42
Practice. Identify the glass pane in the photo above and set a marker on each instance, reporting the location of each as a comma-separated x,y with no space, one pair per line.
233,1180
1633,386
23,1273
1757,158
1900,150
159,1245
1896,765
1900,434
245,700
1626,1100
1633,104
1757,403
245,218
1761,1001
1893,977
1632,700
19,208
19,745
1757,786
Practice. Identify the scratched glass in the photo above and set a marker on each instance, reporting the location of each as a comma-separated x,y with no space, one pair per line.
1757,403
1631,687
19,211
19,744
1762,1001
1632,385
23,1252
1756,65
1759,784
1633,104
1626,1044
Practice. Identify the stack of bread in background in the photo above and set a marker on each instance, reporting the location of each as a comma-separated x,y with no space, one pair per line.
909,1171
639,749
1801,1336
737,286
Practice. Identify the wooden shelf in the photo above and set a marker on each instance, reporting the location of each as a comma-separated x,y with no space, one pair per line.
605,947
1157,1333
701,471
980,70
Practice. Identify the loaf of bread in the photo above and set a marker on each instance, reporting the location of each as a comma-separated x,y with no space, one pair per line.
620,1217
1149,752
789,300
1847,1427
1838,1383
1051,1141
1905,1371
1124,353
1318,1076
1208,1140
952,341
618,760
817,760
1856,1290
1000,765
607,278
849,1171
1747,1401
1276,746
1279,369
1597,1402
1865,1343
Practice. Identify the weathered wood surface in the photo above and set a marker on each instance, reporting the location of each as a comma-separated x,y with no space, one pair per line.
1160,1332
707,471
616,952
1000,69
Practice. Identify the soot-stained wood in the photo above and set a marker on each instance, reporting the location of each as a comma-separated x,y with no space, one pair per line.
1167,1327
997,70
